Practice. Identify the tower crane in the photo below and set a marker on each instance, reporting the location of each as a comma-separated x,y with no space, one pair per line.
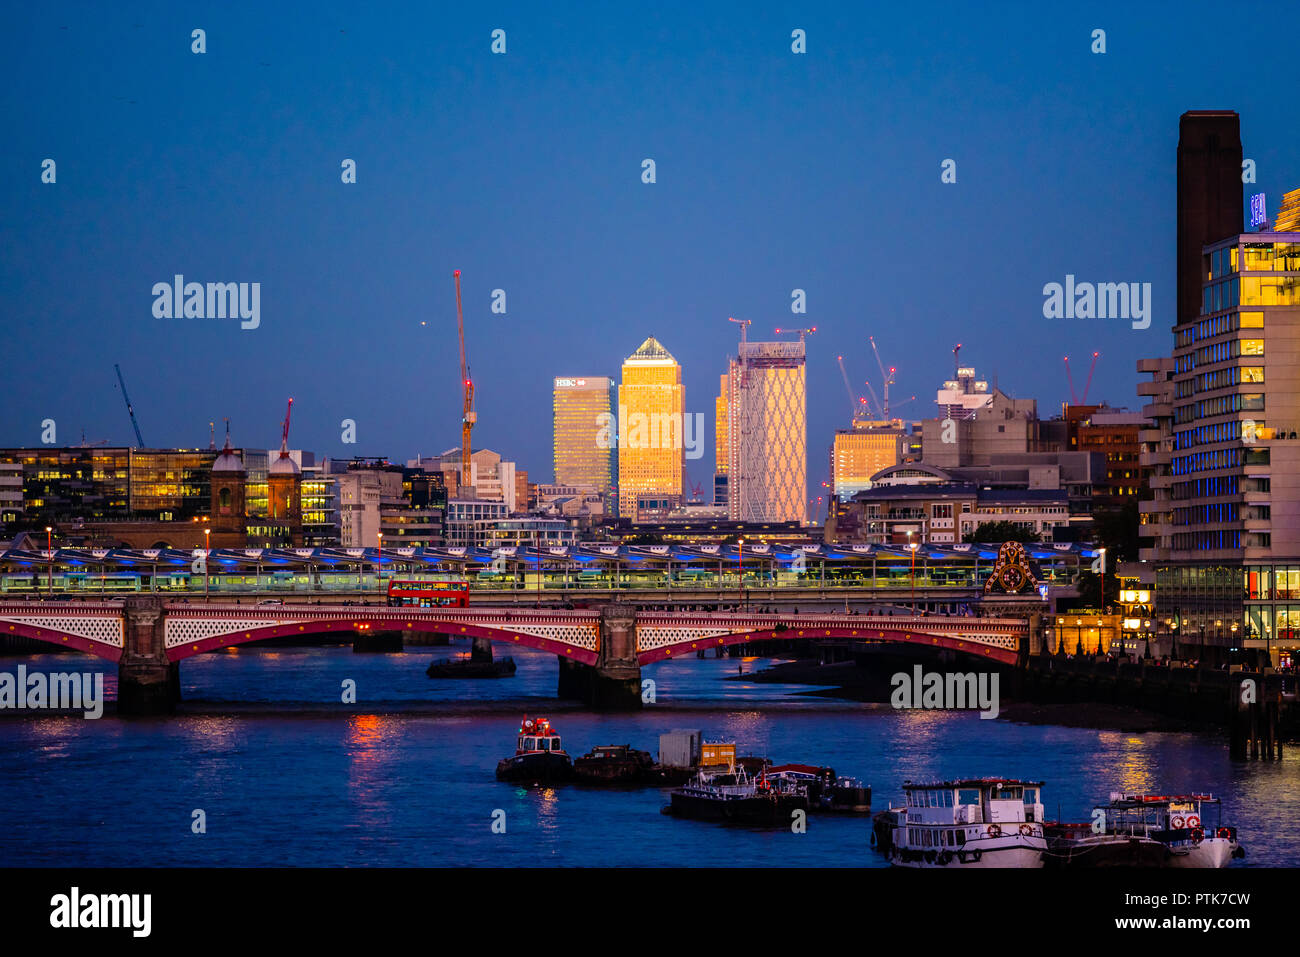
129,410
744,341
468,415
859,405
888,377
1083,399
802,332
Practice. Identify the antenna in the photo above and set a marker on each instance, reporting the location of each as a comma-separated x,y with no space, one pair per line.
1074,400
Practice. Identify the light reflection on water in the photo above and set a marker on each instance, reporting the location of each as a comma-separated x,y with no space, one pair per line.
287,775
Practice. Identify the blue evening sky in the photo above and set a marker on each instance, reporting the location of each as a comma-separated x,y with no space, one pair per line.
775,171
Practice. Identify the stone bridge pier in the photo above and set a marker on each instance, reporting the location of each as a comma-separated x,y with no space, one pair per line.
614,682
147,683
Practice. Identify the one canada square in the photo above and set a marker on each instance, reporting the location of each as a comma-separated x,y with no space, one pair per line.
767,433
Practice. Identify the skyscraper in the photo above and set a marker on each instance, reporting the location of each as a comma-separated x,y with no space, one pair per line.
651,401
584,416
1221,510
767,433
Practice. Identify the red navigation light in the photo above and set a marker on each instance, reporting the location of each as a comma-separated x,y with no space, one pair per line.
456,273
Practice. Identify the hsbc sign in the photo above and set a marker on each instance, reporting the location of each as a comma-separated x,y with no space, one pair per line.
569,383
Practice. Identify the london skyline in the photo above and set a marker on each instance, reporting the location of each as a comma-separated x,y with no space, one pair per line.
776,172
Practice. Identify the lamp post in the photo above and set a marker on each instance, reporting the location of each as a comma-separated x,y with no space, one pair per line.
207,557
912,547
49,555
379,563
740,561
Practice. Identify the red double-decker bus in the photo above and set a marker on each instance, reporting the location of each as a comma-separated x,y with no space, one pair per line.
429,594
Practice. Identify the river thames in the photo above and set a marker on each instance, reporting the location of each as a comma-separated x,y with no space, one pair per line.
285,774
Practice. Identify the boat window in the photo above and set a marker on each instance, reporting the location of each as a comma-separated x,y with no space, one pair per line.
1031,795
968,796
947,799
1006,793
530,744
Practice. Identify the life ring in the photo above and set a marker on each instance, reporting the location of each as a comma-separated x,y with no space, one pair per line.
1197,835
1177,823
1026,830
1223,832
1193,821
994,830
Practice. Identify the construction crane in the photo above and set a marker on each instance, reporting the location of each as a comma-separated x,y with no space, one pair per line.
284,434
888,377
860,410
744,341
875,398
1083,399
130,411
468,415
802,332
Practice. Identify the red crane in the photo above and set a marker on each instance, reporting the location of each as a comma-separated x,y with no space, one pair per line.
468,415
284,435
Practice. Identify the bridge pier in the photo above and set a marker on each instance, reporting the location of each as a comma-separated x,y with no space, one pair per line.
147,683
614,682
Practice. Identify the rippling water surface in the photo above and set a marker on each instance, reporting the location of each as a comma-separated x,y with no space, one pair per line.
287,775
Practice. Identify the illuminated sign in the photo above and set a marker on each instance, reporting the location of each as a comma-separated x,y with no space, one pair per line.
1257,214
569,383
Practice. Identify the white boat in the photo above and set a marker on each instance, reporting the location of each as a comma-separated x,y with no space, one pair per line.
978,822
1149,830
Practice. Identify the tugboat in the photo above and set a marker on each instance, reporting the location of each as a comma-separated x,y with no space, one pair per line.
979,822
538,757
468,668
1147,830
613,764
736,798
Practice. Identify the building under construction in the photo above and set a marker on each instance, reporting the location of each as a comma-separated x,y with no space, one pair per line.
767,432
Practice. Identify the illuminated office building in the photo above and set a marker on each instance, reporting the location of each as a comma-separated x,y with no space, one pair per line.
584,424
651,402
862,451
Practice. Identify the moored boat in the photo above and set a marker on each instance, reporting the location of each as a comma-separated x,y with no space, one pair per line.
827,791
614,764
467,668
539,756
736,798
974,822
1147,830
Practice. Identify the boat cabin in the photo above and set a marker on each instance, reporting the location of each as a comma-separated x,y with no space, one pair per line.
974,801
1161,815
537,735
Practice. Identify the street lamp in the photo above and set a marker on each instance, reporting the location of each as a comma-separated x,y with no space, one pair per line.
912,546
379,563
207,558
740,561
49,555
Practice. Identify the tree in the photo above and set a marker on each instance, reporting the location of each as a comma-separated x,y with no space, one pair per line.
1000,532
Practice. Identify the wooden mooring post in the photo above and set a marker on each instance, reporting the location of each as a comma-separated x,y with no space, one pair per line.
1253,715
